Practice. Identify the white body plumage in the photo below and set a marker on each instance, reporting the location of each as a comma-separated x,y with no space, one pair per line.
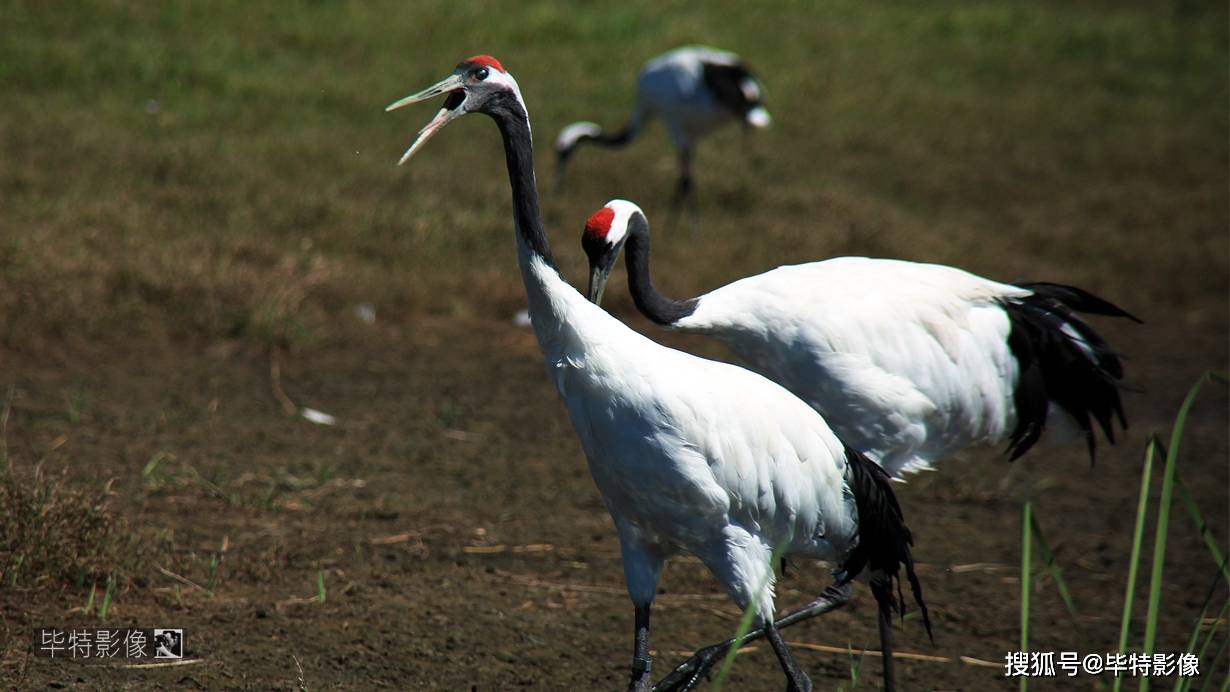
910,362
689,454
672,87
693,455
693,90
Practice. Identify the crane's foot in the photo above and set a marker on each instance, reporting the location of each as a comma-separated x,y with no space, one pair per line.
796,678
642,678
690,673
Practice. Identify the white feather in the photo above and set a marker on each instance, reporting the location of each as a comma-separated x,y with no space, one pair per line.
908,362
671,86
569,135
692,455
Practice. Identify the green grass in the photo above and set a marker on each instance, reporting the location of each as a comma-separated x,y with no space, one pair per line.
1031,531
745,622
1027,567
182,170
54,534
1053,568
1184,683
201,172
108,595
1142,506
1206,534
856,667
1163,521
1170,481
211,584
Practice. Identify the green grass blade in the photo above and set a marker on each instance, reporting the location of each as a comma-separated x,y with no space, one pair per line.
1142,509
1026,568
107,595
16,569
1163,521
1208,676
1208,639
1056,572
745,624
1202,526
856,665
1182,683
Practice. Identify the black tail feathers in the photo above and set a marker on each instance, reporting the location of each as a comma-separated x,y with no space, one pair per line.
1062,359
1077,299
883,539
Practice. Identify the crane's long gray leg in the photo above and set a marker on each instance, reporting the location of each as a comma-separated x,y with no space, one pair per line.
641,681
688,674
884,597
642,567
798,680
683,189
683,207
886,649
684,201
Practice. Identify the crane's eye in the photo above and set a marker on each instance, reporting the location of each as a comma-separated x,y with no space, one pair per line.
481,73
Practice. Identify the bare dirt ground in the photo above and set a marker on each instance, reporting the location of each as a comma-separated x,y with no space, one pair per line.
462,543
188,189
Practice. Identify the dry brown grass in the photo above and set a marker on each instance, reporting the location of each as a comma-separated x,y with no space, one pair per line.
55,533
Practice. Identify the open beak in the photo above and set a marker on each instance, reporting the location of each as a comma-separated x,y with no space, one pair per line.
597,283
451,85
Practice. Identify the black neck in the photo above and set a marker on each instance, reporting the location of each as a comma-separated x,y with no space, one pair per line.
616,139
657,307
514,124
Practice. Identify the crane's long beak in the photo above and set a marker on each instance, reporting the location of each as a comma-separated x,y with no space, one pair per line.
597,283
451,110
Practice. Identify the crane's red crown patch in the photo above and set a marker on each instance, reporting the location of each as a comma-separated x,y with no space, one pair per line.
486,60
599,223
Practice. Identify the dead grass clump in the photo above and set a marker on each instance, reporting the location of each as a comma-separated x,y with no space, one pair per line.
52,533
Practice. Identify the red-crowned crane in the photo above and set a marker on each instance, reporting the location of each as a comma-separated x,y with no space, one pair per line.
690,455
693,90
908,362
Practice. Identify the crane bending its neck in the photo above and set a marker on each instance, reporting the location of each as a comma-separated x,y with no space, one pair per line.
652,304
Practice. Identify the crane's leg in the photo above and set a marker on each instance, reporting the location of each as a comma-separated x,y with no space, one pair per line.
642,567
688,674
684,191
884,597
798,680
641,680
886,649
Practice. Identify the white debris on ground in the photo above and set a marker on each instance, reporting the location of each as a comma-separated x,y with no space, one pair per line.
365,313
317,417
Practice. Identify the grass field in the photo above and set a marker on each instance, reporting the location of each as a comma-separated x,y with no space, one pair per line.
194,196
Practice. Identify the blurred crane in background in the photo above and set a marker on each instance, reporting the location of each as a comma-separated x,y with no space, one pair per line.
693,90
